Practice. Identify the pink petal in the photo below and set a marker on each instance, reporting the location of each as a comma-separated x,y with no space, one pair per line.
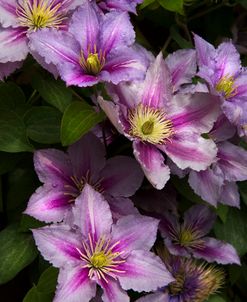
112,291
230,195
8,15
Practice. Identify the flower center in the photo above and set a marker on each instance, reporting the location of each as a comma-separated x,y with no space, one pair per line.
176,287
100,258
93,62
226,85
36,14
186,237
150,124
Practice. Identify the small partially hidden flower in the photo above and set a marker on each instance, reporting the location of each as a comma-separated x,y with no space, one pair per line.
114,256
189,237
194,282
65,174
121,5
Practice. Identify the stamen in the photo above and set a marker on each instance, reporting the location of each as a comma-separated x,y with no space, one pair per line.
150,124
226,85
93,62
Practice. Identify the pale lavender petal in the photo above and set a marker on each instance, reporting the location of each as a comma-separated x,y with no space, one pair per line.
222,129
87,156
182,65
196,112
48,204
121,176
56,47
123,65
157,85
129,232
235,110
216,250
8,15
58,245
228,60
200,218
121,206
124,5
232,161
207,185
240,83
112,291
112,112
156,297
49,67
152,163
85,27
7,68
175,170
13,43
230,195
205,52
144,271
74,285
90,207
52,166
189,150
117,31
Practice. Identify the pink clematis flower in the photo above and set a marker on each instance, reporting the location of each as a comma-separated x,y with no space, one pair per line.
114,256
156,121
65,174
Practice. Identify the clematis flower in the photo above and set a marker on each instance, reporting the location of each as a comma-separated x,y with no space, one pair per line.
65,174
217,184
7,68
18,18
221,69
114,256
122,5
94,49
148,114
189,237
194,282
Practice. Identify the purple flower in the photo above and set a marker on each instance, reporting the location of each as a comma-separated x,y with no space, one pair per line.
217,184
7,68
114,256
194,282
221,69
94,49
18,18
147,114
189,237
121,5
65,174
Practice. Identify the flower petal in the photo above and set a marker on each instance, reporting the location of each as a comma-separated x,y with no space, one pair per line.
152,163
13,43
207,185
48,204
112,291
85,27
157,85
216,250
7,68
222,129
52,166
74,285
121,206
87,156
124,5
205,52
182,66
232,161
230,195
129,232
156,297
189,150
8,15
121,176
90,207
117,31
58,244
144,271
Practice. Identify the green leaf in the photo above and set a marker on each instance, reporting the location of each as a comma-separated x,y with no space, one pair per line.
222,212
53,91
13,136
178,38
216,298
34,295
234,230
11,96
173,5
8,161
43,124
28,222
77,120
17,250
48,280
146,3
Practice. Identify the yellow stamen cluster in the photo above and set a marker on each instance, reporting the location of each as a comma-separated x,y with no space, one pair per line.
150,124
93,62
79,183
100,258
226,86
38,14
